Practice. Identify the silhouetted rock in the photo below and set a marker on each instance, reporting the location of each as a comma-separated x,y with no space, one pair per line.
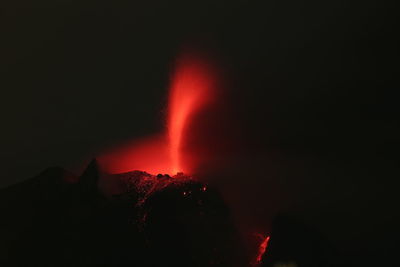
295,244
88,181
53,221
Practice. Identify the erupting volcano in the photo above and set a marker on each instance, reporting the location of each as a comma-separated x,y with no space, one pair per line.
158,170
192,89
145,204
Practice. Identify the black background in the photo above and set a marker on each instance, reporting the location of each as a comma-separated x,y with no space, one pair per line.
314,84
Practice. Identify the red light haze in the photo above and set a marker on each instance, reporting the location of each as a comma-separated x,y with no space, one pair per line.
191,90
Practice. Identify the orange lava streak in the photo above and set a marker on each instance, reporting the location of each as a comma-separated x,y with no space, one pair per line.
262,248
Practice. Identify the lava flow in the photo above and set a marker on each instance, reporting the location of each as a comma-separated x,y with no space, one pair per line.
191,90
262,249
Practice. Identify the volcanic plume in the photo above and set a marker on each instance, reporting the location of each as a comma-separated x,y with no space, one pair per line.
192,89
177,153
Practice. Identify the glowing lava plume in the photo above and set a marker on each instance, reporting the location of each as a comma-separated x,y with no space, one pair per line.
191,90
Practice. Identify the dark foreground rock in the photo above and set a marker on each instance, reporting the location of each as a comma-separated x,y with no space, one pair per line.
57,219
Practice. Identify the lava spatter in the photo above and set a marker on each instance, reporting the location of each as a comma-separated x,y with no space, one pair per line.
191,90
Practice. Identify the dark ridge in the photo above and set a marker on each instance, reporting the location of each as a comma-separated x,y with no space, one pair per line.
292,242
47,221
89,179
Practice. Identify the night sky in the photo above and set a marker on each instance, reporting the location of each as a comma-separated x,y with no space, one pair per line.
314,86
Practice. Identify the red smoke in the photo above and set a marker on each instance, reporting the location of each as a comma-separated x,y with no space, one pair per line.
191,90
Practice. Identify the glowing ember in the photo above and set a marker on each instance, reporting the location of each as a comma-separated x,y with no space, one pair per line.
143,184
262,248
138,187
190,91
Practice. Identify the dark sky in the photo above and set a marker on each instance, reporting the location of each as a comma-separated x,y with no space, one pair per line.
78,75
314,84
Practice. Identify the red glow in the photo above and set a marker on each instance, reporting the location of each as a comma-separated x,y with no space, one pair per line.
191,89
149,154
262,249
